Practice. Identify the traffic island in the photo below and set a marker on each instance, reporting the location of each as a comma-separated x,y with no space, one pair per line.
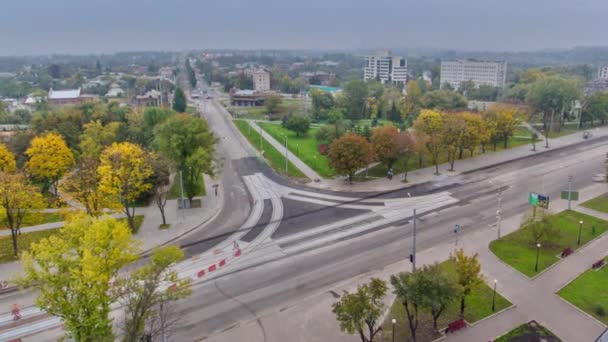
529,332
531,256
588,291
478,307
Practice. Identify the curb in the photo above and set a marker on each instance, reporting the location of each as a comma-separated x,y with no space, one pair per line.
513,306
579,309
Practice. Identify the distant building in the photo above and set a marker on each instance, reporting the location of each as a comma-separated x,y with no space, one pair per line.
595,86
247,98
69,96
480,72
261,80
480,106
166,73
151,98
115,91
386,68
603,72
318,77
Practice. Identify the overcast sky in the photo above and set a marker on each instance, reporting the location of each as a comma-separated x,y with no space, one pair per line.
92,26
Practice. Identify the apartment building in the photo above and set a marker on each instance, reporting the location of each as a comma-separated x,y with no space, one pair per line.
261,80
603,72
492,73
386,68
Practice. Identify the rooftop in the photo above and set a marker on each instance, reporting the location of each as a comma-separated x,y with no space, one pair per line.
64,94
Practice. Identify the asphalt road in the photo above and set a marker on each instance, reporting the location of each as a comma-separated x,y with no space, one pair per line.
272,285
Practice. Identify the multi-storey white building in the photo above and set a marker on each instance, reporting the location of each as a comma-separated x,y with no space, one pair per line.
480,72
603,73
261,80
386,68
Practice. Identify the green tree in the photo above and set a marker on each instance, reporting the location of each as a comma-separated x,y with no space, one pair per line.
72,271
161,181
179,101
440,289
443,100
595,107
322,103
97,136
349,153
190,145
143,297
406,150
359,312
83,185
355,99
272,103
468,270
409,288
18,200
552,95
300,124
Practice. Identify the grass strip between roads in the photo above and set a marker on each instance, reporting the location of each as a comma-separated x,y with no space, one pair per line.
478,306
600,203
519,250
304,147
274,157
589,293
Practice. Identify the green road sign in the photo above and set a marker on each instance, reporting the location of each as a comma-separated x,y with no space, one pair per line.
573,195
538,200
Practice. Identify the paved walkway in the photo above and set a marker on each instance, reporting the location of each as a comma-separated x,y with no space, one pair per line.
536,299
306,170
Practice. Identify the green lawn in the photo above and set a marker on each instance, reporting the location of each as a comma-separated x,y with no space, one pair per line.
529,332
37,219
600,203
274,157
380,169
175,190
260,113
519,251
588,292
23,243
522,131
304,147
478,306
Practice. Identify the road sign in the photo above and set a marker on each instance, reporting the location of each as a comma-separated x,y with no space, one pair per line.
538,200
573,195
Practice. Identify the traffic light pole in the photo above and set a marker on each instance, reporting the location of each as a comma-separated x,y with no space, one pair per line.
414,242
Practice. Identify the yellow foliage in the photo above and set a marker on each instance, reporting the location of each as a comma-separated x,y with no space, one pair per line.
123,171
49,157
7,160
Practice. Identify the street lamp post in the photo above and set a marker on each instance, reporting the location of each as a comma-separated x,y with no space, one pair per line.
494,296
414,244
537,254
394,321
580,230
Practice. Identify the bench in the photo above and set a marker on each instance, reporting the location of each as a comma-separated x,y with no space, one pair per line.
455,325
597,264
566,252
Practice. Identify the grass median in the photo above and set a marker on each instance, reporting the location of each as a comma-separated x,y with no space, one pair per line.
599,203
519,250
274,157
304,147
588,292
478,306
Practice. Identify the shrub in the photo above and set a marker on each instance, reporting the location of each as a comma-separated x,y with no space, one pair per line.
599,310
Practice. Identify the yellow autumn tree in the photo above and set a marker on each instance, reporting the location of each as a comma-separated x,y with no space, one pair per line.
48,159
430,124
123,171
7,160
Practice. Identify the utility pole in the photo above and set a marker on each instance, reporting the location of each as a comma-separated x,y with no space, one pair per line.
569,191
414,244
286,160
181,188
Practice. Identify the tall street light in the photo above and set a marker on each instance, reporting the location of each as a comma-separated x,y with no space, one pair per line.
537,253
580,229
494,296
394,321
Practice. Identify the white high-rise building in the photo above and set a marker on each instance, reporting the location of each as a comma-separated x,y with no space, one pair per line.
480,72
261,80
386,68
603,73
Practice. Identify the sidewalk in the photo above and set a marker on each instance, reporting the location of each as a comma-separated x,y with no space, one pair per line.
306,170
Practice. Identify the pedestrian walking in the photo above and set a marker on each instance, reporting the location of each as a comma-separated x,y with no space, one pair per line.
16,312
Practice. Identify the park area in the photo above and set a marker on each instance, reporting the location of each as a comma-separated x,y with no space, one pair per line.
478,306
559,232
529,332
275,158
588,292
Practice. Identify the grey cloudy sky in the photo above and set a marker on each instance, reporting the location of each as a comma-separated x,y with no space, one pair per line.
91,26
